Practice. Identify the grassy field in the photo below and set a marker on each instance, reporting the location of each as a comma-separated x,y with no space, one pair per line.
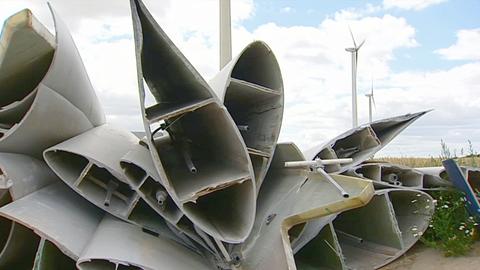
416,162
470,158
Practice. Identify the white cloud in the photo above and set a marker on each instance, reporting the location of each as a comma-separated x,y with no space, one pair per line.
411,4
102,31
452,93
316,69
286,10
314,64
466,47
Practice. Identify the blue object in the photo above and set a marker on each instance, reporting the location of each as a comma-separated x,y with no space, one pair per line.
459,181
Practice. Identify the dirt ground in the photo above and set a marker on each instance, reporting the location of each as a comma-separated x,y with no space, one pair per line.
423,258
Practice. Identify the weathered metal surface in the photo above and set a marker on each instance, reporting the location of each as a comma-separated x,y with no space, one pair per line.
143,178
361,143
288,199
201,158
49,257
135,250
20,175
90,164
18,247
188,189
63,93
390,224
251,88
386,175
58,214
322,252
26,52
76,229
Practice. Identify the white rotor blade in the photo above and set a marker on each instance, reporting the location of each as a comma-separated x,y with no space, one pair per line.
351,34
361,44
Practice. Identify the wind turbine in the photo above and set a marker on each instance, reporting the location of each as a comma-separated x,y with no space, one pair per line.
354,52
225,32
371,100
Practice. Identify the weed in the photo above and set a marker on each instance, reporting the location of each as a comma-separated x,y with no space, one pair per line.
451,229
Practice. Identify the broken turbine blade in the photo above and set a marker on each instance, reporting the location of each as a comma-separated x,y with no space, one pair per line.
90,164
57,214
390,224
251,88
289,198
135,250
220,196
84,233
139,170
361,143
58,90
386,175
22,177
50,257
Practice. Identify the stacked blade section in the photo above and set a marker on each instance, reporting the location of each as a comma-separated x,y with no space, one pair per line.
361,143
57,93
22,219
384,229
76,193
25,55
90,164
287,200
386,175
251,88
197,150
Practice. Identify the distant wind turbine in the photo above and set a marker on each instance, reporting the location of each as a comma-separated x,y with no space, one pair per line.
371,100
354,52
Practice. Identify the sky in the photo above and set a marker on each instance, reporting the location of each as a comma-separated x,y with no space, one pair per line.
419,54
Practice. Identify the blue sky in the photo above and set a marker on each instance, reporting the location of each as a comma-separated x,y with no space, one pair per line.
436,25
421,54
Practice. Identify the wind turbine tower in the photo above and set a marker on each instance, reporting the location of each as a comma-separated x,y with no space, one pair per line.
225,33
354,52
371,100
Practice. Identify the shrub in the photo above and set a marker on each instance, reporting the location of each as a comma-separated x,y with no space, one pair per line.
451,229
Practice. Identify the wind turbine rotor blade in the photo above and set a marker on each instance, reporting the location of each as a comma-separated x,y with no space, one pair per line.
351,34
373,99
361,44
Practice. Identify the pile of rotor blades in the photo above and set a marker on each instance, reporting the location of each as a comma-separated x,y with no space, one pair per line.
206,185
